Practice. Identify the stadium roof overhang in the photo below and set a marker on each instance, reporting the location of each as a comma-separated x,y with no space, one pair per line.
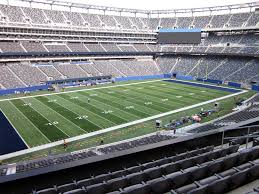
141,11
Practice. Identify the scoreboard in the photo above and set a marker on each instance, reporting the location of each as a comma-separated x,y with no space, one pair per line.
179,36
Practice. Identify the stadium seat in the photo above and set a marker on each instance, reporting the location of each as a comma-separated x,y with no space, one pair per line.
211,155
198,172
208,180
159,185
66,187
244,166
85,182
136,189
136,178
76,191
114,192
186,188
162,161
47,191
227,173
101,178
230,161
153,173
149,165
219,186
178,180
133,169
186,163
238,179
216,166
254,172
200,159
244,156
100,188
199,190
118,173
117,183
169,168
254,153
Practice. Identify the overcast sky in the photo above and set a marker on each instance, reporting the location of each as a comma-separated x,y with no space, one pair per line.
160,4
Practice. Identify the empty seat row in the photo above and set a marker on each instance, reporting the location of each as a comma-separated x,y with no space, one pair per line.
124,171
138,174
201,176
22,167
229,183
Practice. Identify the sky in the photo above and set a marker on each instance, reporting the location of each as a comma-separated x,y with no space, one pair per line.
160,4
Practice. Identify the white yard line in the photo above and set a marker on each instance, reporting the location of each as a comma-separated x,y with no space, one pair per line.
129,102
80,137
86,89
107,105
82,108
48,107
26,118
80,99
47,119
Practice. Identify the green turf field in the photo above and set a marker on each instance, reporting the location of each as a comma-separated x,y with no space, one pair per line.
49,118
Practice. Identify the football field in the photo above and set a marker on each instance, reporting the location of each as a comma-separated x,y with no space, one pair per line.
47,118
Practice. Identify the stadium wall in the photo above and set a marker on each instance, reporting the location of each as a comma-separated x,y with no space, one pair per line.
234,84
255,88
205,86
21,90
184,77
131,78
214,81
